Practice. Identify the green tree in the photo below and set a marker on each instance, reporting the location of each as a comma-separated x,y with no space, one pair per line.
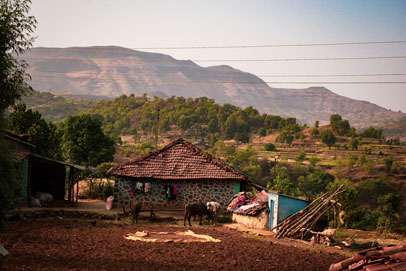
269,147
388,164
289,139
335,118
41,134
254,172
372,132
243,137
370,190
348,199
328,138
313,161
212,126
366,163
103,168
261,132
354,144
342,127
389,212
314,132
315,183
245,157
16,29
351,160
284,183
316,124
300,157
84,142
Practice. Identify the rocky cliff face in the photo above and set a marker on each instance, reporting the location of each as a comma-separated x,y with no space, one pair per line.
113,71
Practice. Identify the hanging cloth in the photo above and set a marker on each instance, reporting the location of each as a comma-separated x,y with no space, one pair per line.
148,187
175,191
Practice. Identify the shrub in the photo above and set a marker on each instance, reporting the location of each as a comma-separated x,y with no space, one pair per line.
300,157
269,147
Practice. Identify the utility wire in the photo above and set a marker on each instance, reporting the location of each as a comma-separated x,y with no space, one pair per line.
270,45
217,76
246,46
231,60
213,82
334,75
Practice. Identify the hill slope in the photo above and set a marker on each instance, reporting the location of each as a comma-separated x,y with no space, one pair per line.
113,71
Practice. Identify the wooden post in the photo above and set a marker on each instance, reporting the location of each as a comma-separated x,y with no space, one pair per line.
156,129
90,188
70,183
77,193
29,180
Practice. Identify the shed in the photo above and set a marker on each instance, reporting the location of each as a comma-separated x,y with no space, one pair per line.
174,175
281,206
264,210
38,173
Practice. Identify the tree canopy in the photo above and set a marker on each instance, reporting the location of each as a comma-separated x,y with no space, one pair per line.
84,142
16,29
328,138
41,134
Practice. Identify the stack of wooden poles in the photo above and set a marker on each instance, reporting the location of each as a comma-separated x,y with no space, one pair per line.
301,224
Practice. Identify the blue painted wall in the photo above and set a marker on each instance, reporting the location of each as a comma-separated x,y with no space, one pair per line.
288,206
23,172
273,209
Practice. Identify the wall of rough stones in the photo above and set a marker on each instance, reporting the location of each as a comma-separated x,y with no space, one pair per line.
189,191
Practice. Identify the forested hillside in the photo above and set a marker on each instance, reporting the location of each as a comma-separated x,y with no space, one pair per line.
395,129
198,118
55,108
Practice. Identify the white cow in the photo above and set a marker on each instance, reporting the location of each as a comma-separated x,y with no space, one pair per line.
35,202
44,198
215,207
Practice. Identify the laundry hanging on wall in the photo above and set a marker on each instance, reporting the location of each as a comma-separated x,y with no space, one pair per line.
170,192
140,187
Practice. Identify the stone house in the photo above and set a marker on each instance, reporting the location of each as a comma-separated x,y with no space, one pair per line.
174,175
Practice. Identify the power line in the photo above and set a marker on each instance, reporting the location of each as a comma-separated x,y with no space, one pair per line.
217,76
270,45
248,46
234,60
334,75
214,82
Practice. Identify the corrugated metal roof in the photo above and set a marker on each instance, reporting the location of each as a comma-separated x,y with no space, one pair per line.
79,167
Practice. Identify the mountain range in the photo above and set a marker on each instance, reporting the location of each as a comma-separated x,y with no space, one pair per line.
113,71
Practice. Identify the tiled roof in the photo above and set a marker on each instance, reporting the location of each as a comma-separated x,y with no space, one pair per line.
179,159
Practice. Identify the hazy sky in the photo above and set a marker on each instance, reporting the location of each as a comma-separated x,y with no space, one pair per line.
174,23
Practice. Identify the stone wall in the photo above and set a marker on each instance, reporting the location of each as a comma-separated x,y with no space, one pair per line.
260,221
189,191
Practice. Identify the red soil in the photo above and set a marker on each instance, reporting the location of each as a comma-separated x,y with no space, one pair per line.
67,244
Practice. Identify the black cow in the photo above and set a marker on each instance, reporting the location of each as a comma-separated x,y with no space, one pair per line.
199,209
135,209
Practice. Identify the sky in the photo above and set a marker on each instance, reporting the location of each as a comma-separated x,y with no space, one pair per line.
191,23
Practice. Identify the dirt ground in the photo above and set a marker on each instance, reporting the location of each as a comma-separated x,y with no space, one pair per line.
58,243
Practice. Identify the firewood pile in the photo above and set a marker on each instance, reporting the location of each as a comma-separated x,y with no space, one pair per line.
302,224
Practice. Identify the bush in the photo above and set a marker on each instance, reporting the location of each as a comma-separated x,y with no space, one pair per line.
300,157
99,190
364,219
224,219
269,147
